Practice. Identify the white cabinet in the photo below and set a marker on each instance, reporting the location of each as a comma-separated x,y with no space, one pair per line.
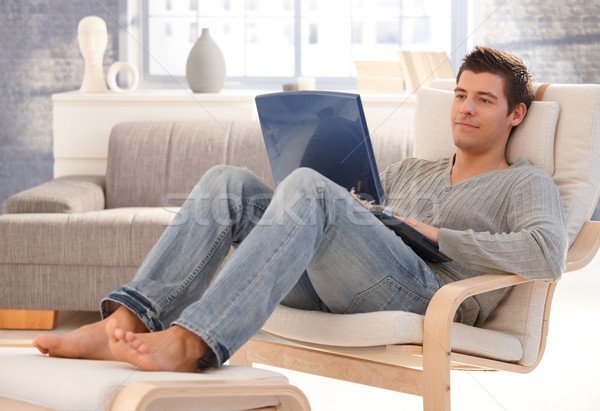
82,121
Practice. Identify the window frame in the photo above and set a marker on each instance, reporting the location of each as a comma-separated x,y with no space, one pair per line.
133,41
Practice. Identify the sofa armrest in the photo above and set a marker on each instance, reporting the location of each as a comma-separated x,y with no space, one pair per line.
70,194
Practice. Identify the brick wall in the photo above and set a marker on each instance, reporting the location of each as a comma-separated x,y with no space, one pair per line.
558,39
39,56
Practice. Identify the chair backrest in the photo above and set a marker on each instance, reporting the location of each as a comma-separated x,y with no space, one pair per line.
561,134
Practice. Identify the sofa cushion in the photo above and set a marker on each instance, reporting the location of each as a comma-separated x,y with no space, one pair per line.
117,237
153,164
392,141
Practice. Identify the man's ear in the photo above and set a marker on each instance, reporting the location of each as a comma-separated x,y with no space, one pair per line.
518,114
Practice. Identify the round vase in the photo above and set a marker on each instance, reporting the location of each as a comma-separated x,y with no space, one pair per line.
205,67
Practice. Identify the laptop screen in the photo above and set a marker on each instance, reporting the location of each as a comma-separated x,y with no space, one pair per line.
322,130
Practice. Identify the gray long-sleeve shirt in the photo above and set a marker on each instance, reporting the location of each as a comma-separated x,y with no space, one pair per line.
504,221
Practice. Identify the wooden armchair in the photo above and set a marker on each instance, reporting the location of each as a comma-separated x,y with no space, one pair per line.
414,354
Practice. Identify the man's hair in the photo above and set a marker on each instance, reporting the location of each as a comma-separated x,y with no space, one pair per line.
518,85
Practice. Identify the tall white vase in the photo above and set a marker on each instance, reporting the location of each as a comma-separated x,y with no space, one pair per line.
205,67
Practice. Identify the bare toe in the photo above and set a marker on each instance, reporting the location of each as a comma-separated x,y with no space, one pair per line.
111,329
175,349
87,342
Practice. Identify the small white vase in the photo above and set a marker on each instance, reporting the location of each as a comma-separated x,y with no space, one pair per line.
205,67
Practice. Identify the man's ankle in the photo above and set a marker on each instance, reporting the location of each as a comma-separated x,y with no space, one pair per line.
129,320
191,341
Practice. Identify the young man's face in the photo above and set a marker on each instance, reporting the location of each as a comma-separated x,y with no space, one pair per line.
480,122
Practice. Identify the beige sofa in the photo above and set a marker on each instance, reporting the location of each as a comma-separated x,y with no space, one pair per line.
66,243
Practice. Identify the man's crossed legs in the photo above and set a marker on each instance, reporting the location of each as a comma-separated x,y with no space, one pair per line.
309,245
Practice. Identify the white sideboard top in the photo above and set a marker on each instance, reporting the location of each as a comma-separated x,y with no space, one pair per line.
182,95
155,95
82,121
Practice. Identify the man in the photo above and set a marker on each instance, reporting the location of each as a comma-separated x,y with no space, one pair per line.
311,246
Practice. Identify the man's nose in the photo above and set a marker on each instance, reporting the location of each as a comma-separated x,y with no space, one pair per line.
467,106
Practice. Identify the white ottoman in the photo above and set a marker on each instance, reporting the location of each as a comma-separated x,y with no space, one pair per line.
31,381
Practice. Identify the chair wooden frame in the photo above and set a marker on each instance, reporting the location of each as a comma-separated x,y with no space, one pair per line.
417,370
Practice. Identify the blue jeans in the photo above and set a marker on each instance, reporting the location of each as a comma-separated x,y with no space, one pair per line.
308,245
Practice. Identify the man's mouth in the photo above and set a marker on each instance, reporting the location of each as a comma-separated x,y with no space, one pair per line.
465,124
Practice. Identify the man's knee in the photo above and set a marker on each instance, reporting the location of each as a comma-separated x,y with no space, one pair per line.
310,182
304,177
306,183
224,176
226,172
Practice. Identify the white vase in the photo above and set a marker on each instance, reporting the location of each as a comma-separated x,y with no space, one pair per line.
205,67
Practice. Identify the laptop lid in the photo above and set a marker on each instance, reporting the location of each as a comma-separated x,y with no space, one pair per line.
322,130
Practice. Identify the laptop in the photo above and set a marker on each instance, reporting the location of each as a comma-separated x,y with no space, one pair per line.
327,131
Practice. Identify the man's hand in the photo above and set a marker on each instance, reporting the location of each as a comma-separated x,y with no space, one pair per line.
430,232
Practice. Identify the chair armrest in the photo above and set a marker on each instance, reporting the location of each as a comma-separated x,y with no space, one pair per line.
446,301
448,298
70,194
437,330
585,246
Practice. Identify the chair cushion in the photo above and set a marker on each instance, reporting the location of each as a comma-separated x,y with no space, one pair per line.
577,142
385,328
76,385
532,139
521,314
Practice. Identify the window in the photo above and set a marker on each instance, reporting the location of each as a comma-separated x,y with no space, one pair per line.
268,43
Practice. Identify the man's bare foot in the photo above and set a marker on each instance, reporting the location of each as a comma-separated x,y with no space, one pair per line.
174,349
88,342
